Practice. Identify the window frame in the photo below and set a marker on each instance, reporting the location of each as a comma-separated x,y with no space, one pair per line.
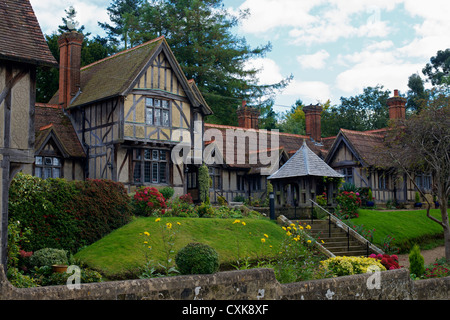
156,104
42,165
144,163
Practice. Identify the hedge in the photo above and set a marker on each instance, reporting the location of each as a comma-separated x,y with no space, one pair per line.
67,214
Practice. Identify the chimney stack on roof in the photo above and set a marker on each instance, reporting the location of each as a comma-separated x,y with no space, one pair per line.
248,117
397,107
69,66
313,121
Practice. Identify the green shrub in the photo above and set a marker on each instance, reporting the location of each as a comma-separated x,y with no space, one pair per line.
49,257
222,201
239,199
167,192
197,258
203,183
67,214
416,262
345,266
205,210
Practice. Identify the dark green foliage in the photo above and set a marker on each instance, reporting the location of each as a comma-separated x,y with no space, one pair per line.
67,214
167,192
438,70
200,34
48,257
197,258
366,111
416,261
203,183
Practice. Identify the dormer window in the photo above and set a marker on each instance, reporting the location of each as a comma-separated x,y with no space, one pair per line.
47,167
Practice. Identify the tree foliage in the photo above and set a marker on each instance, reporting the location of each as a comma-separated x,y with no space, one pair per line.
199,32
438,69
422,144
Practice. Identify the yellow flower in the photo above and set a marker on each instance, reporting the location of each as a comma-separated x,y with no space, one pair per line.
145,242
237,221
294,228
178,223
265,235
284,228
168,225
263,240
308,227
288,233
289,228
243,223
158,219
147,234
301,228
322,241
149,247
292,224
309,241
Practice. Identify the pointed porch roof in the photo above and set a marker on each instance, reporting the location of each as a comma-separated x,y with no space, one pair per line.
305,163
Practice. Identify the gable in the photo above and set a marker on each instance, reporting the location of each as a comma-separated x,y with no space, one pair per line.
342,154
160,76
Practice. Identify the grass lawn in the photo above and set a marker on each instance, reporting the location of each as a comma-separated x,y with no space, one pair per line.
124,250
407,227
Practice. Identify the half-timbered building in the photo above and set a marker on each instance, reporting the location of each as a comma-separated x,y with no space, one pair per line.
22,49
130,111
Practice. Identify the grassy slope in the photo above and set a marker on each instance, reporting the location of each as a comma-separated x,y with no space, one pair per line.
124,249
405,226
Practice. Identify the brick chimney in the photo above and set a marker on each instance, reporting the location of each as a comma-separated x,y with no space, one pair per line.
397,107
69,66
248,116
313,121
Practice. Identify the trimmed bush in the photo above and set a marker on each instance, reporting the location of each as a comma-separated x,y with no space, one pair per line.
65,214
197,258
48,257
167,192
345,266
416,261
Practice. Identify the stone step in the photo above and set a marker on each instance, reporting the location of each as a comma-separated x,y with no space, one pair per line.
335,238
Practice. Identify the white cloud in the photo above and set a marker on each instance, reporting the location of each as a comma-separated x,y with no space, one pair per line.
50,13
308,91
314,61
269,71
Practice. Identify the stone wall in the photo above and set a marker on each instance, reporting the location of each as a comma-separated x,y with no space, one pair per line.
254,284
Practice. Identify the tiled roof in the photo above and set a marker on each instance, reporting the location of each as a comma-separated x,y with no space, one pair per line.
113,75
21,36
305,163
288,143
51,118
365,144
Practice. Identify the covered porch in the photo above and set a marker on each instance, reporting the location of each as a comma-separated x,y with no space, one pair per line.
302,178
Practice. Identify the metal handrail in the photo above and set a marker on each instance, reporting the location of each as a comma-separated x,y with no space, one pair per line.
340,224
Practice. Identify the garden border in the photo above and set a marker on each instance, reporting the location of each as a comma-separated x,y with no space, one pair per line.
253,284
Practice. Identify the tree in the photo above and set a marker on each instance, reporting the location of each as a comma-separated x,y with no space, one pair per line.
438,70
293,121
199,32
422,144
125,18
366,111
417,94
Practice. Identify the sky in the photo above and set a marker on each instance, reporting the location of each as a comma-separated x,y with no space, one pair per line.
332,48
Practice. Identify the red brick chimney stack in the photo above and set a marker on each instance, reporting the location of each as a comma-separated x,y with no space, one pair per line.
69,66
313,121
397,107
248,117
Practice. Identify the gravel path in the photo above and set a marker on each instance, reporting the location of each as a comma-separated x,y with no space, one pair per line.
429,256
